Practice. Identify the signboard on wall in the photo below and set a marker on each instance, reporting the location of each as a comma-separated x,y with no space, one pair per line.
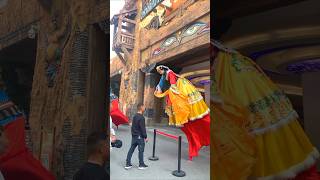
154,12
149,6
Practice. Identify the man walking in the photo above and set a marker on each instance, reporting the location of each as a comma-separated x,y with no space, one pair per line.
139,136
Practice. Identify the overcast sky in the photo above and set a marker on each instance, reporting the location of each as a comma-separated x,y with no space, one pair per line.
115,7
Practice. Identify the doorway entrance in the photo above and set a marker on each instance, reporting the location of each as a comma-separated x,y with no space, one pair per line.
98,83
17,64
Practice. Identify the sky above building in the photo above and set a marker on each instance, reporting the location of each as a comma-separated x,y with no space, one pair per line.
115,7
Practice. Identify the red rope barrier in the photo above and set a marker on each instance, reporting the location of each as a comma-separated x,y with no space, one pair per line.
167,135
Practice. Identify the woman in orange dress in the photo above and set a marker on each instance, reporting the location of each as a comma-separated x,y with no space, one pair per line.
185,108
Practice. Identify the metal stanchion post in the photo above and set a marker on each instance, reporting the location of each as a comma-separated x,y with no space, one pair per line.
153,157
179,172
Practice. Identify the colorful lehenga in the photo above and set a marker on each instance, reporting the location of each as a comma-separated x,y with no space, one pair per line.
256,133
18,162
186,109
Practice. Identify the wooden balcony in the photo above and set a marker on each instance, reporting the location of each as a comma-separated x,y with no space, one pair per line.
123,39
123,34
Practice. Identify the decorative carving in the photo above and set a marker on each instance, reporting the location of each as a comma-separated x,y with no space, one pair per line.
190,32
17,35
80,11
79,64
57,39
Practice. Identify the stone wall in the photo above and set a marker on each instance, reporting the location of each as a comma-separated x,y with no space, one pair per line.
115,66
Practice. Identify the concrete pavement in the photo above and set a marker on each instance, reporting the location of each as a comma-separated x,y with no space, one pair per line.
166,150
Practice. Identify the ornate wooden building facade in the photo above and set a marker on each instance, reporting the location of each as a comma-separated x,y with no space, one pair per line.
52,56
148,33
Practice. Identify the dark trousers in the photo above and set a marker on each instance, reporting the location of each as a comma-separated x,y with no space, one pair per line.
136,141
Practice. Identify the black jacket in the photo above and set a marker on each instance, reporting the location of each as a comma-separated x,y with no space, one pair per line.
90,171
138,127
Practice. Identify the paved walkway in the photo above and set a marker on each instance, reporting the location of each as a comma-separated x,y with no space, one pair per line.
166,150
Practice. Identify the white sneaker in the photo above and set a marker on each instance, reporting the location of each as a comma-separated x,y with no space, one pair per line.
142,167
128,166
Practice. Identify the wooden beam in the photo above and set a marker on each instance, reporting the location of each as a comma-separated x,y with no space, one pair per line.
127,46
121,58
127,54
126,34
129,20
119,28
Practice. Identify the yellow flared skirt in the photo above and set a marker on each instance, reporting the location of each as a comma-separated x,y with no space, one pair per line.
233,149
187,104
266,135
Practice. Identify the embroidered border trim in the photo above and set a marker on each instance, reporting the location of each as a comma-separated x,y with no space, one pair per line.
9,113
296,169
191,119
174,89
242,63
201,115
266,101
290,117
194,101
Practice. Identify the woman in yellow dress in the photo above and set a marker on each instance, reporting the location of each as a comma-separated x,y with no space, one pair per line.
256,133
185,108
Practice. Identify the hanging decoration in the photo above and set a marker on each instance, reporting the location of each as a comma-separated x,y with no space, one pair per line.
56,41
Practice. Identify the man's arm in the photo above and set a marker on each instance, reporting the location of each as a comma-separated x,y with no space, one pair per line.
143,128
